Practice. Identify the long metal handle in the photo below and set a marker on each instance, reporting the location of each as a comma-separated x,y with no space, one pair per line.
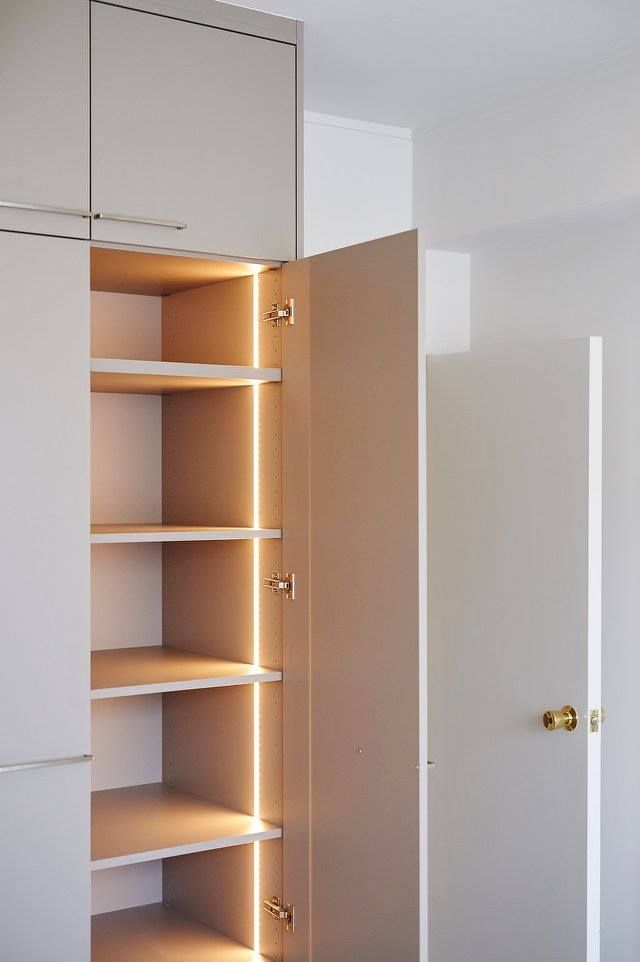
45,209
176,225
46,763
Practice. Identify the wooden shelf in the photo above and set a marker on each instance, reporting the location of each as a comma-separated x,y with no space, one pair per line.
147,822
156,933
120,376
135,533
119,672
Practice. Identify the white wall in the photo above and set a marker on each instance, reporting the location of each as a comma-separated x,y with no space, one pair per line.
569,151
545,193
358,181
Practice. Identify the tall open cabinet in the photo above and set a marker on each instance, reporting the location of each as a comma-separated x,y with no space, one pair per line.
215,480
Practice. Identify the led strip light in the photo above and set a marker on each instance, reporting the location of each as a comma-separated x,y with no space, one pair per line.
256,608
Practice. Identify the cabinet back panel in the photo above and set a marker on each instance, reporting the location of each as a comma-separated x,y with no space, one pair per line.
208,744
207,457
214,887
211,325
208,600
218,889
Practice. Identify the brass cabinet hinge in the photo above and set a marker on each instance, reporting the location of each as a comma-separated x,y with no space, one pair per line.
282,913
596,717
278,583
279,314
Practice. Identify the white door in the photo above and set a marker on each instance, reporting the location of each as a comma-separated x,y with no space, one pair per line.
514,508
44,116
44,599
195,126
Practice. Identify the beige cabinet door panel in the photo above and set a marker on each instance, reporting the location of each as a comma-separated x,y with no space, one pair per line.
44,512
354,658
44,116
195,126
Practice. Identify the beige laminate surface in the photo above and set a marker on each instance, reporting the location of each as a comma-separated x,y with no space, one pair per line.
156,933
145,822
105,533
123,671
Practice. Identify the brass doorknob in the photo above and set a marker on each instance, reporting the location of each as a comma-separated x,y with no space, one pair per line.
566,718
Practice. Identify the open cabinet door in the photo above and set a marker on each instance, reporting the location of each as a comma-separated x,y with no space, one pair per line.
514,504
354,641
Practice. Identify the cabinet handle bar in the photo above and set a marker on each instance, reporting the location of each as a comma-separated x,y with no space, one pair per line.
45,208
46,763
176,225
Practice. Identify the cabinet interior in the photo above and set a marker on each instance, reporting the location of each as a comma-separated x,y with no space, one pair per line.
186,643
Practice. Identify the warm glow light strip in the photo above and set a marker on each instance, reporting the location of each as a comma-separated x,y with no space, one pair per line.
256,610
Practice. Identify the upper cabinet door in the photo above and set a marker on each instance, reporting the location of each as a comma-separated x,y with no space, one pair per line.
44,116
354,491
195,126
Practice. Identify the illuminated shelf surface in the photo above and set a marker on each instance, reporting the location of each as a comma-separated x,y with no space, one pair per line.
137,533
147,822
119,672
156,933
121,376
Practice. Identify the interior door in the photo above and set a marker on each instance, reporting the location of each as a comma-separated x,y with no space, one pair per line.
354,637
44,116
195,126
514,508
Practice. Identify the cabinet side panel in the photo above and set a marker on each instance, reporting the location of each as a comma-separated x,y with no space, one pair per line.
210,325
208,598
214,887
208,744
44,594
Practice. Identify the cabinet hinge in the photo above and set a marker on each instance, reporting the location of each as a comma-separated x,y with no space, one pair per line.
284,913
278,314
278,583
596,717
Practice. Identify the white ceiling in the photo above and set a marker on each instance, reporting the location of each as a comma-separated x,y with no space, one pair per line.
419,63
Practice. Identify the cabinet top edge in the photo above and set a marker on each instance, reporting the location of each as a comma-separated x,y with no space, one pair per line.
215,13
